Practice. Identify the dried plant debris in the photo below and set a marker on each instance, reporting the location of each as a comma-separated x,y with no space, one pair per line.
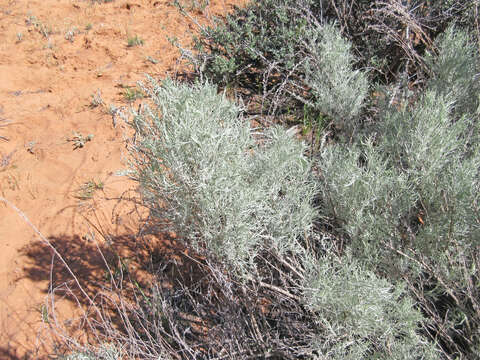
5,159
80,140
87,190
3,123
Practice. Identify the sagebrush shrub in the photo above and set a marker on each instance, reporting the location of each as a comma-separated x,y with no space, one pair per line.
398,236
245,200
203,174
366,316
282,52
455,74
274,49
102,352
408,201
338,90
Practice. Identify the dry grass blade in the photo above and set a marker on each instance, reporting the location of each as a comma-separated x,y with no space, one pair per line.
407,31
4,123
5,159
49,244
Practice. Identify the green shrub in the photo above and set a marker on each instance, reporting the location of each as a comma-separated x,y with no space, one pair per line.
366,316
408,201
338,90
245,201
398,238
279,51
268,47
203,174
103,352
454,71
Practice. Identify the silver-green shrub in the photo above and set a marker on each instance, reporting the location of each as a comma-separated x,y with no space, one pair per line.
364,316
205,177
102,352
245,200
338,90
286,53
363,199
455,71
408,200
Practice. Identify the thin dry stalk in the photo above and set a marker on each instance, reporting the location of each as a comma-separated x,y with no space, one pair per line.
4,123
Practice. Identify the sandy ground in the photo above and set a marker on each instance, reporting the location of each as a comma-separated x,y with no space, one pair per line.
58,59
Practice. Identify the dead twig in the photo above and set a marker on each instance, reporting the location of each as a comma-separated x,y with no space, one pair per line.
5,159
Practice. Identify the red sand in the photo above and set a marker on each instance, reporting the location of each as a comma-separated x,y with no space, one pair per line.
54,56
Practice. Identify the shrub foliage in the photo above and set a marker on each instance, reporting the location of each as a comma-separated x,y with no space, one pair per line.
270,47
244,200
202,171
366,249
285,57
410,206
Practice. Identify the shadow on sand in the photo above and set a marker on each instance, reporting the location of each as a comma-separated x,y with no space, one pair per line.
124,266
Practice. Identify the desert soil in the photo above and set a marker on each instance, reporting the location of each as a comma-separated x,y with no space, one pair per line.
63,64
